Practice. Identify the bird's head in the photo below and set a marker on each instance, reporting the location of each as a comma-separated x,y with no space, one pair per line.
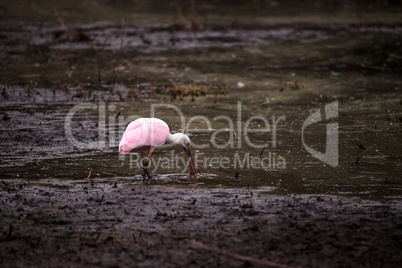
183,141
180,139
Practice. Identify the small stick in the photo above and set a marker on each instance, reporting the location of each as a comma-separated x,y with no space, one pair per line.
200,245
61,21
349,116
4,91
89,175
262,151
10,231
357,161
360,146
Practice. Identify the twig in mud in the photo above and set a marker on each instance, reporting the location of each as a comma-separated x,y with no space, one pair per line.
348,116
123,36
100,59
61,21
386,110
89,175
360,146
199,245
293,84
10,231
3,90
6,117
77,35
108,239
357,161
66,91
263,149
29,91
134,239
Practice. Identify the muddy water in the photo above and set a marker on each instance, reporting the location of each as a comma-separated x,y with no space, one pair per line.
357,65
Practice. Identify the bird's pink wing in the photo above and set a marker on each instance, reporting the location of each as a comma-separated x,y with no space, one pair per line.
157,133
143,133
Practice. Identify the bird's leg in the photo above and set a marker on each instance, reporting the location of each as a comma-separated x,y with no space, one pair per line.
150,152
145,163
144,167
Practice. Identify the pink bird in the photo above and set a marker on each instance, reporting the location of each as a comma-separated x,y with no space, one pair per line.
149,133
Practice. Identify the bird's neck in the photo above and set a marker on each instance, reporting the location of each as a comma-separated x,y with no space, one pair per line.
173,139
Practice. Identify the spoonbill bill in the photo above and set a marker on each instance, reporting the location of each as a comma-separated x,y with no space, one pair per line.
149,133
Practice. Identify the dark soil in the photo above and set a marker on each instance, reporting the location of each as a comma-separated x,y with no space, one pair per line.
114,225
346,51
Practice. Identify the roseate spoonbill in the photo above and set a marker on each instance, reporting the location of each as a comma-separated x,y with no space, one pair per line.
147,134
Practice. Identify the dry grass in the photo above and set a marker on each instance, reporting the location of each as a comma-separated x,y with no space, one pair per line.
181,91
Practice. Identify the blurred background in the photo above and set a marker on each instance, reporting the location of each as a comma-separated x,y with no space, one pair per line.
209,12
277,57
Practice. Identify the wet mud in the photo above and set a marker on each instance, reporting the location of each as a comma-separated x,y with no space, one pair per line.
117,224
66,205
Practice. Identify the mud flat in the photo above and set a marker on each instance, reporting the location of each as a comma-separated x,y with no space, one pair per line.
290,58
116,224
